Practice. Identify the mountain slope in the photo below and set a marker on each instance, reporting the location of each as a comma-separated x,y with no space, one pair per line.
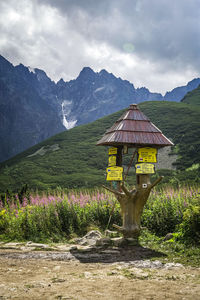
178,93
192,97
71,158
25,118
33,107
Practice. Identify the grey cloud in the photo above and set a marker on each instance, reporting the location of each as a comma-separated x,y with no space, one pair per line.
160,37
160,30
92,7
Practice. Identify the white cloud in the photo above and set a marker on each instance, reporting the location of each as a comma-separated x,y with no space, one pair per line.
150,43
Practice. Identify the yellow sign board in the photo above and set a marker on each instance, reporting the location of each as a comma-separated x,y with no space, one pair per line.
112,160
114,173
147,155
145,168
112,151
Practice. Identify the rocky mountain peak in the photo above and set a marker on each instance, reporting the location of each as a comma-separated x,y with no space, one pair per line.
103,72
5,66
41,75
193,84
61,82
86,73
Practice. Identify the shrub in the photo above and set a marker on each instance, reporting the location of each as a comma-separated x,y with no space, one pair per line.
189,229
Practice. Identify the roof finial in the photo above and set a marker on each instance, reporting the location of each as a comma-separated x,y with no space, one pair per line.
133,106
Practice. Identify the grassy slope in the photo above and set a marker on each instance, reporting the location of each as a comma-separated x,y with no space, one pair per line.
79,162
181,123
192,97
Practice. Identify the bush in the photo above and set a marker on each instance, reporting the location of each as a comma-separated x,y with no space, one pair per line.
163,211
189,229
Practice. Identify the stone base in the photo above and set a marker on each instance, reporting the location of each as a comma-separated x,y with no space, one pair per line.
111,233
124,242
95,239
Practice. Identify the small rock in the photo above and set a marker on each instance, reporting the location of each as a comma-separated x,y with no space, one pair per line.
111,234
173,265
73,248
87,249
122,242
29,242
93,234
103,242
36,245
90,238
117,241
168,237
148,264
13,244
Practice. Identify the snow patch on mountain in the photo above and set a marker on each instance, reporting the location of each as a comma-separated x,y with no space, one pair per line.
66,110
99,89
31,70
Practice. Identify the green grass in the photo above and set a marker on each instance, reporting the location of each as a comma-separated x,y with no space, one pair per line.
61,216
80,163
63,213
172,250
192,97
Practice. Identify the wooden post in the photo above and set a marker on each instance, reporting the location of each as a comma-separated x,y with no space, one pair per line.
125,133
132,204
119,163
119,156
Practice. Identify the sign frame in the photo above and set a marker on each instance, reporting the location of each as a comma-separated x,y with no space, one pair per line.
145,168
112,160
147,155
114,173
112,150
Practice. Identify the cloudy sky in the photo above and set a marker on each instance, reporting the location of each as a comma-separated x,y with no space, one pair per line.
152,43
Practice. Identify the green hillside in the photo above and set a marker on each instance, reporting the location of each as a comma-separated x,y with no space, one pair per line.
73,160
192,97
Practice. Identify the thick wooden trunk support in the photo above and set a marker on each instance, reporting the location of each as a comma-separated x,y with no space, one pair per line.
132,204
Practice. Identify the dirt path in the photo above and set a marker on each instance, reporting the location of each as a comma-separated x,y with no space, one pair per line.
84,275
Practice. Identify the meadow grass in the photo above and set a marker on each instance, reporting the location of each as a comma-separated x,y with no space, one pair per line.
55,217
58,215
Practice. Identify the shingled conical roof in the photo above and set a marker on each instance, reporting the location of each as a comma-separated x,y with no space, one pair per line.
134,129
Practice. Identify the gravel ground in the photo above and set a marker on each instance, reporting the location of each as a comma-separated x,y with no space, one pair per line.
36,271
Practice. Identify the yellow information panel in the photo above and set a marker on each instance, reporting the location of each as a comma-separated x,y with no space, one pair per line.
114,173
145,168
147,154
112,150
112,160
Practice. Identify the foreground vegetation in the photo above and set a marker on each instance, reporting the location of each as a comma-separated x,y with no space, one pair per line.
62,215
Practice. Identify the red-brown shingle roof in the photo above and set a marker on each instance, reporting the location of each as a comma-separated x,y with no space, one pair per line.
134,129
